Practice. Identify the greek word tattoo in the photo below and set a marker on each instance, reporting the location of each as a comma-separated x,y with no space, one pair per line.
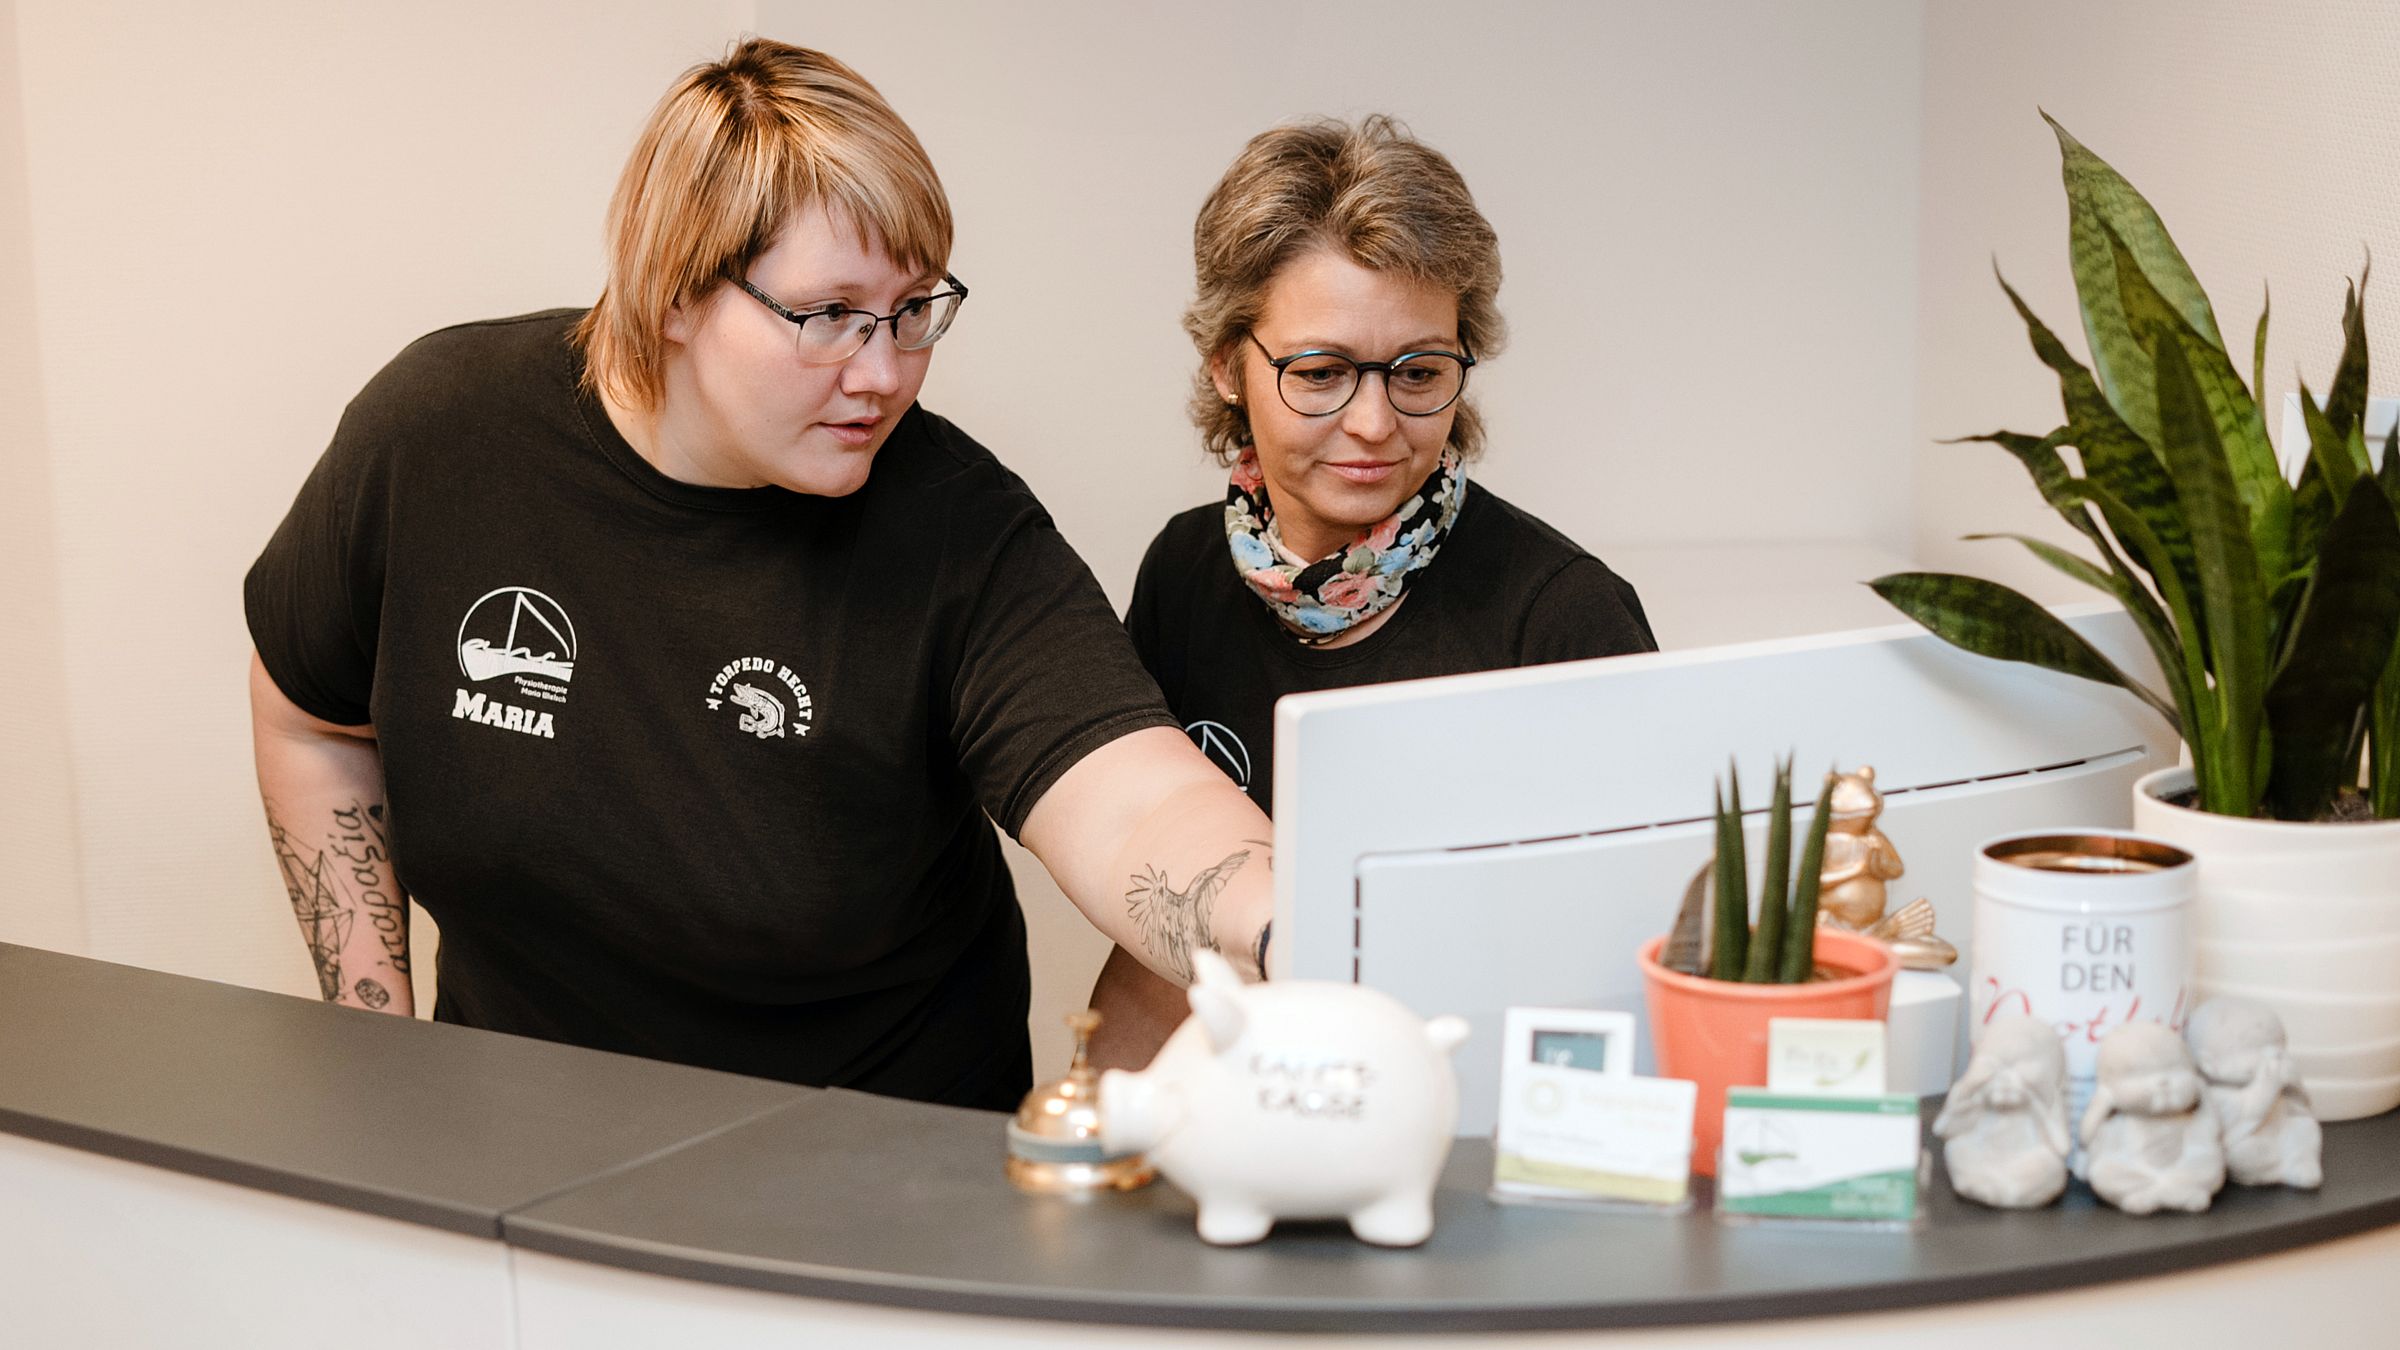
1173,923
332,884
365,854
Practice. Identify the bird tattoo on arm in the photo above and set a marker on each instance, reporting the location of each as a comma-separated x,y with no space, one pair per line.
1173,922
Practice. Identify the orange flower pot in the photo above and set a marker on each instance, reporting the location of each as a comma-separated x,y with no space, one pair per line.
1714,1032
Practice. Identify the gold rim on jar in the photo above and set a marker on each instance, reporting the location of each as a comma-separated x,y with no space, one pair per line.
2090,854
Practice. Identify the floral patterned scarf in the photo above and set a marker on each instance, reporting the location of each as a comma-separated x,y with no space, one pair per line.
1329,595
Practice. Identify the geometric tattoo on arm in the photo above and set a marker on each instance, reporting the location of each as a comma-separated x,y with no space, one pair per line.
1171,922
335,886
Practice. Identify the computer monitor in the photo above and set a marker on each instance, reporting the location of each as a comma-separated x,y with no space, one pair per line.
1512,837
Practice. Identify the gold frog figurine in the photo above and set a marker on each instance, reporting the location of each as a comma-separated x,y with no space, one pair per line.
1859,859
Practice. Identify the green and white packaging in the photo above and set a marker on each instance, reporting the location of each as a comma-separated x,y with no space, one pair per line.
1803,1157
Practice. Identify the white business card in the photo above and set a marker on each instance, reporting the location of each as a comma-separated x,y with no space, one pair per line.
1820,1057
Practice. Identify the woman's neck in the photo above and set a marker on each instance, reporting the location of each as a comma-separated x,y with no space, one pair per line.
1310,539
664,441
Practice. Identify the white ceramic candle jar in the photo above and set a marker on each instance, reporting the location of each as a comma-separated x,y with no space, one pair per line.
2086,930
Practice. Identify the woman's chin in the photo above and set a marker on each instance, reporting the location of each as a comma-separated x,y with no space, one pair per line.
1354,511
823,475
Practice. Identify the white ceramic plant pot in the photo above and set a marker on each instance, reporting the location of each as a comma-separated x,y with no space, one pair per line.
2305,919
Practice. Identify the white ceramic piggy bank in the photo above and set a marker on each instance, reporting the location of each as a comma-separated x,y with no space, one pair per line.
1301,1099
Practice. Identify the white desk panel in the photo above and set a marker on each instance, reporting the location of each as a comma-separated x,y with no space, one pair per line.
2342,1286
97,1253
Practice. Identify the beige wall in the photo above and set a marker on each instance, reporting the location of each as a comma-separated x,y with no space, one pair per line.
2268,136
230,215
40,900
1706,211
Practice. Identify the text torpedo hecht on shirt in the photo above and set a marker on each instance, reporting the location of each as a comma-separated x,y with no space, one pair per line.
763,713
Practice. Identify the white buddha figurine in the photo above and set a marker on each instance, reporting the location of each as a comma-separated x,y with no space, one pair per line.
2004,1124
2149,1137
2263,1117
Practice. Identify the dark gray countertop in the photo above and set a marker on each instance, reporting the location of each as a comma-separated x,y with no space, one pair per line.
839,1195
859,1197
433,1124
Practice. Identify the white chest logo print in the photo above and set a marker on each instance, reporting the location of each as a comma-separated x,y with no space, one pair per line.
1224,749
772,702
525,635
516,630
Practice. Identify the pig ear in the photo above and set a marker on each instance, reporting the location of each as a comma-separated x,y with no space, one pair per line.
1220,1014
1446,1034
1209,968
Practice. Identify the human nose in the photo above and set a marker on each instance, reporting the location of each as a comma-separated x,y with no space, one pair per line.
875,367
1370,416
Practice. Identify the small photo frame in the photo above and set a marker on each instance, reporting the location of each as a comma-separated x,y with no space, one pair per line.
1587,1039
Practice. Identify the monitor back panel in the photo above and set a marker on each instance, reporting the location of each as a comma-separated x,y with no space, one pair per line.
1512,837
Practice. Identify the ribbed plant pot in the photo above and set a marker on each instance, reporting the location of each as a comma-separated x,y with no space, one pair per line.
2305,919
1714,1032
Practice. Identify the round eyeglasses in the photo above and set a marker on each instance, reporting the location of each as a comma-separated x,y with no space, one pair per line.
836,333
1320,384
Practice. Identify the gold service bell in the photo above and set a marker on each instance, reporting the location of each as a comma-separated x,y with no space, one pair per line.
1054,1138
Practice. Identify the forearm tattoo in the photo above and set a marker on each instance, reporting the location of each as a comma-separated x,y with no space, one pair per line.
334,881
1172,923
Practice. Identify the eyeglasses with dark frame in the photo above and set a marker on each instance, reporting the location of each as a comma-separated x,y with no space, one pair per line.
1321,383
836,333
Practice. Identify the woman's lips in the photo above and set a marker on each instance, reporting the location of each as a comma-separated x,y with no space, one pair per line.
857,432
1364,471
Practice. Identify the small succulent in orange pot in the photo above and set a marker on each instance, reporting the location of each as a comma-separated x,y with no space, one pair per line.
1712,988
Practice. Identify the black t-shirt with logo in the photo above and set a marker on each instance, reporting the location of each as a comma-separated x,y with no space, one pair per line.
1506,590
696,773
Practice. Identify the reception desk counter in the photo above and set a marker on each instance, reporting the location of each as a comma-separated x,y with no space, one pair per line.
185,1163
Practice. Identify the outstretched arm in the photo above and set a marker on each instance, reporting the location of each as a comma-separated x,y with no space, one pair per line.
1138,1011
323,786
1160,851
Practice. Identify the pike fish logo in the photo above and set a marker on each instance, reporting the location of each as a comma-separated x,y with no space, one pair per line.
763,716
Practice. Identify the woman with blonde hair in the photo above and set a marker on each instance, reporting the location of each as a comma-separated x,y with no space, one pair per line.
1346,288
672,656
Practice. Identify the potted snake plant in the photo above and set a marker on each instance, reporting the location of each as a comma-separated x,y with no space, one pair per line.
1719,977
2271,601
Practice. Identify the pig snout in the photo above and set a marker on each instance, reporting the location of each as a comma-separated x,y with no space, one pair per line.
1136,1111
